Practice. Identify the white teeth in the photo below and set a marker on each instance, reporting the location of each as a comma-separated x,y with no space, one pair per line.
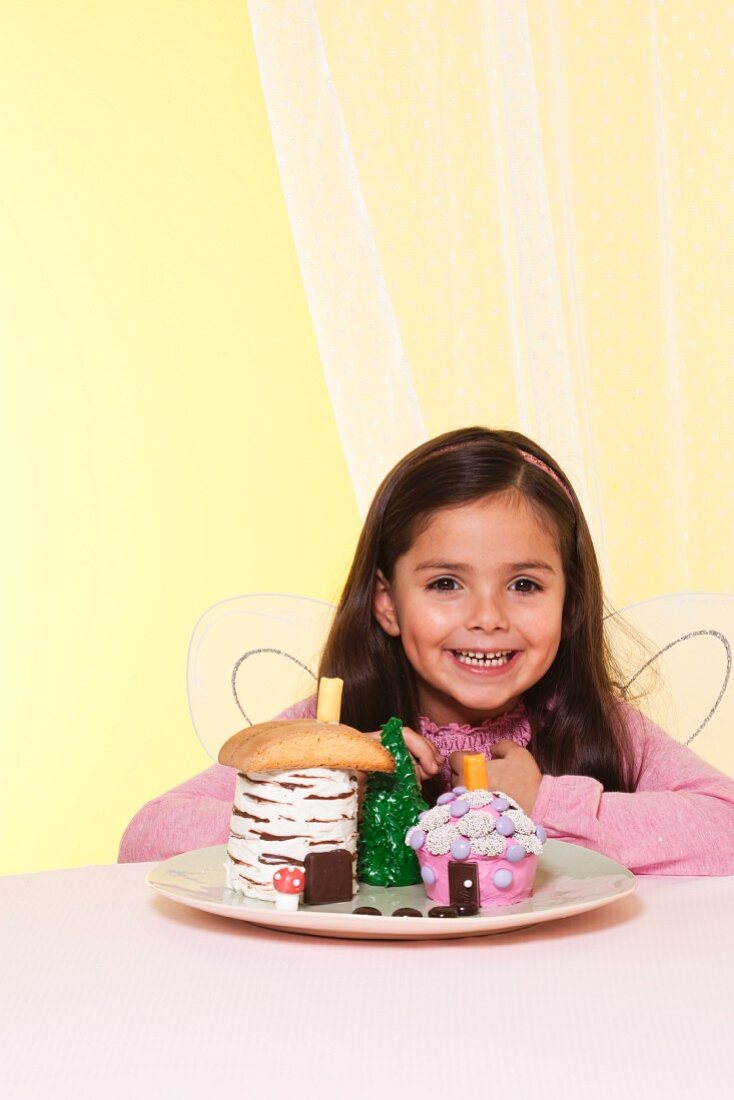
472,657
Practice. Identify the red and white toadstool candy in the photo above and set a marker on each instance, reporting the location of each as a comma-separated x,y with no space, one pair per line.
288,883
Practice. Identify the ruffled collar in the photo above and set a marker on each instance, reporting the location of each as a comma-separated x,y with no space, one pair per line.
513,720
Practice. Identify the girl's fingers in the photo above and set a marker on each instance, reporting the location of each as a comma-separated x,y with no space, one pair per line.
501,749
427,758
457,767
423,752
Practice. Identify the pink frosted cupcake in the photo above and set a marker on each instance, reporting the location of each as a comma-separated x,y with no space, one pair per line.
476,848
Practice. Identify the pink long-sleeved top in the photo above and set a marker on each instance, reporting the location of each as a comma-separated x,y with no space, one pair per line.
679,820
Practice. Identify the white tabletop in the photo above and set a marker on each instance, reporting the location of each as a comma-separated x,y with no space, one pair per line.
109,990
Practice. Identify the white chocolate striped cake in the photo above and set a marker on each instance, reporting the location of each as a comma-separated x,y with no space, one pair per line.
279,818
296,795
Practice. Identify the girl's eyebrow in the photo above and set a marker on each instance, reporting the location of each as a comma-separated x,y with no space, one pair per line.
448,566
518,566
458,567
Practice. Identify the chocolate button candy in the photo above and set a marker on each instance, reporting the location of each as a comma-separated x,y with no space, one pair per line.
442,911
406,911
367,911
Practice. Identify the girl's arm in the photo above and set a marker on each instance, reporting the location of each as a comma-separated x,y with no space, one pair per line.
195,814
192,815
679,820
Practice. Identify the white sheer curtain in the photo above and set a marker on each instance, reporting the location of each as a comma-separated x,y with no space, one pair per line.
495,219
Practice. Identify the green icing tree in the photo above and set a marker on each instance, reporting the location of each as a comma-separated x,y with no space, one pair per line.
391,805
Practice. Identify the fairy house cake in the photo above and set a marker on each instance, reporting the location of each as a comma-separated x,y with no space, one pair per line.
294,822
476,848
296,805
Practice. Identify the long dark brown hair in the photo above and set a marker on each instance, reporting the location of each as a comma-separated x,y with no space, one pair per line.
574,711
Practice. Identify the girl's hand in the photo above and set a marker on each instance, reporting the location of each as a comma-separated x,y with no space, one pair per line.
512,769
427,759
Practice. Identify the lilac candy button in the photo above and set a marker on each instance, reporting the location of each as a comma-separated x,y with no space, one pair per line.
428,875
459,808
515,853
459,790
500,804
444,798
505,826
461,848
502,878
541,834
417,839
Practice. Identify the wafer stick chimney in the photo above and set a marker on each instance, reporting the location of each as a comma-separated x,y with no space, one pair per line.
329,704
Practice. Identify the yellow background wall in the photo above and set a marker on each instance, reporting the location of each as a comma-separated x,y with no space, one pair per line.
167,439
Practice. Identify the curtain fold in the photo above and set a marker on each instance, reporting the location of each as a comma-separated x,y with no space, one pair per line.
364,360
520,215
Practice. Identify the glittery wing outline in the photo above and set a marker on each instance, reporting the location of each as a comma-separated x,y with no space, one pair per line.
249,658
681,667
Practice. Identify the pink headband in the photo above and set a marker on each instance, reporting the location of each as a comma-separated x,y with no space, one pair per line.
534,461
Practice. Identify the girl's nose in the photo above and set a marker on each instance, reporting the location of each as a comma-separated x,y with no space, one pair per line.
488,613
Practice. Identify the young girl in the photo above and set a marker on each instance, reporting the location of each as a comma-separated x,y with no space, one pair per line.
474,611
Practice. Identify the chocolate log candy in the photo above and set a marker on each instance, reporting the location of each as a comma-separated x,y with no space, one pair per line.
328,877
463,883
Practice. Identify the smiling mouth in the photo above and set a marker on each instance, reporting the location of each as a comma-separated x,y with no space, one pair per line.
482,659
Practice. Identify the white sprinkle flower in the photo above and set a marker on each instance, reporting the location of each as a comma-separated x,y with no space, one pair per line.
521,821
439,841
477,798
531,844
435,818
491,845
475,823
501,794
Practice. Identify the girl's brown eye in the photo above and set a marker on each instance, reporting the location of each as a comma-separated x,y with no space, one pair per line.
444,584
524,584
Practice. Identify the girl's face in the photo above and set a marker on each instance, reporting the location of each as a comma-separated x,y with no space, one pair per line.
477,602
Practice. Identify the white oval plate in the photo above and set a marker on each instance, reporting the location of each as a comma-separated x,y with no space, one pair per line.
570,880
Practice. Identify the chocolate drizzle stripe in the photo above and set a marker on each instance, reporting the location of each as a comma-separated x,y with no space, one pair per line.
251,817
240,862
293,786
328,797
252,881
278,783
270,857
272,836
